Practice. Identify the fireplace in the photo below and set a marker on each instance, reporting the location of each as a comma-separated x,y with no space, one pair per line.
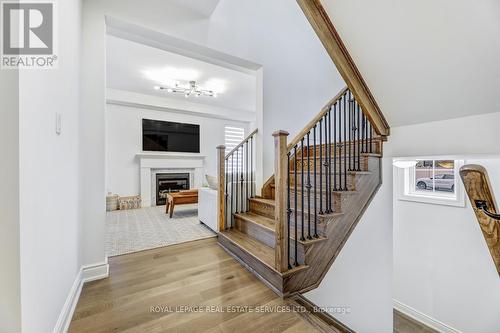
168,183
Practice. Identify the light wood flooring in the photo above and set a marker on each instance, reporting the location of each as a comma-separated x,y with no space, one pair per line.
194,274
404,324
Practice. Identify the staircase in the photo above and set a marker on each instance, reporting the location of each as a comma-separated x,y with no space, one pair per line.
324,179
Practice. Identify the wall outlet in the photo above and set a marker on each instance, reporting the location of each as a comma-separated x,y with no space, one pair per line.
58,123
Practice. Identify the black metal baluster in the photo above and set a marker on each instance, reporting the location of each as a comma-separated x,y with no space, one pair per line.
315,185
246,177
349,126
295,203
226,167
370,133
363,133
325,164
366,134
341,146
345,142
358,132
320,169
237,205
308,188
329,209
353,130
288,208
251,170
241,180
302,190
232,188
335,147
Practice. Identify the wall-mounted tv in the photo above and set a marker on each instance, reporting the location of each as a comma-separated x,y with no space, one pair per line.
169,136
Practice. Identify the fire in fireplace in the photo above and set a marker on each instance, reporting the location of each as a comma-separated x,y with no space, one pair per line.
168,183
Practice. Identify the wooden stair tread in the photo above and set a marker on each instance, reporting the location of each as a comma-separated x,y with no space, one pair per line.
258,219
307,241
260,251
264,201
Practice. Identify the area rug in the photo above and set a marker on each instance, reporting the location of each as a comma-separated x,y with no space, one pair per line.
147,228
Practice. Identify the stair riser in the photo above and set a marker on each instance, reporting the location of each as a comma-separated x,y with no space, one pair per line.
339,165
350,178
337,199
320,229
262,209
257,231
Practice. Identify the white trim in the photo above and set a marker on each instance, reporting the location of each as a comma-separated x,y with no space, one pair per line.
404,178
85,274
69,306
95,271
423,318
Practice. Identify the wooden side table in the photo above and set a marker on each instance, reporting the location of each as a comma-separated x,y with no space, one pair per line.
180,198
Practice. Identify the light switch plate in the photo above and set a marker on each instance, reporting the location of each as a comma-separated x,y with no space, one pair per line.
58,123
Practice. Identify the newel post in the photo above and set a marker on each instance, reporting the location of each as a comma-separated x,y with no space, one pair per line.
221,181
280,215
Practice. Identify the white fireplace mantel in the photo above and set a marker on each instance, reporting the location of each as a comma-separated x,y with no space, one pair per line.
153,162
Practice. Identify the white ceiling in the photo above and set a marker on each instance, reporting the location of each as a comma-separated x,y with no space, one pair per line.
424,60
139,68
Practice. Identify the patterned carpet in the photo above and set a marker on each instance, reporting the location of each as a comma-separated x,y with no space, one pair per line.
147,228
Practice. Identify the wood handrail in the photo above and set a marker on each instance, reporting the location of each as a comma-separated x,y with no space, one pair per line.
315,120
478,188
242,142
323,26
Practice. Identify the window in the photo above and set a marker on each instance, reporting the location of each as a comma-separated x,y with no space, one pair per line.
432,181
232,137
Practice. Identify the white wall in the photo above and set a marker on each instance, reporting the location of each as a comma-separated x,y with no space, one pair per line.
442,267
124,141
299,77
10,288
49,179
361,276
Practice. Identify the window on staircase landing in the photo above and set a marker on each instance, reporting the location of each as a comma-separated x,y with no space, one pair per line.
232,137
432,181
433,177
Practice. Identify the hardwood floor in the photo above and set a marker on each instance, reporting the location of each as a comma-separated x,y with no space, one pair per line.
404,324
151,291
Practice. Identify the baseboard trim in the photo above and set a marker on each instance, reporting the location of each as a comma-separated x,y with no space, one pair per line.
95,272
69,306
323,321
423,318
85,274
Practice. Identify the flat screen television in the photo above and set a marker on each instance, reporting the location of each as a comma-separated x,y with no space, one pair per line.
169,136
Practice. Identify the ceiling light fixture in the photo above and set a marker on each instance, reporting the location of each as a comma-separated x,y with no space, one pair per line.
192,90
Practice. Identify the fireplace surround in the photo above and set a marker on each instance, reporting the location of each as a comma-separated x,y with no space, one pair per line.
152,163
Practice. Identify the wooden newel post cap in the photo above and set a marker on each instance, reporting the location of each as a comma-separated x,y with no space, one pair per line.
222,147
280,133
